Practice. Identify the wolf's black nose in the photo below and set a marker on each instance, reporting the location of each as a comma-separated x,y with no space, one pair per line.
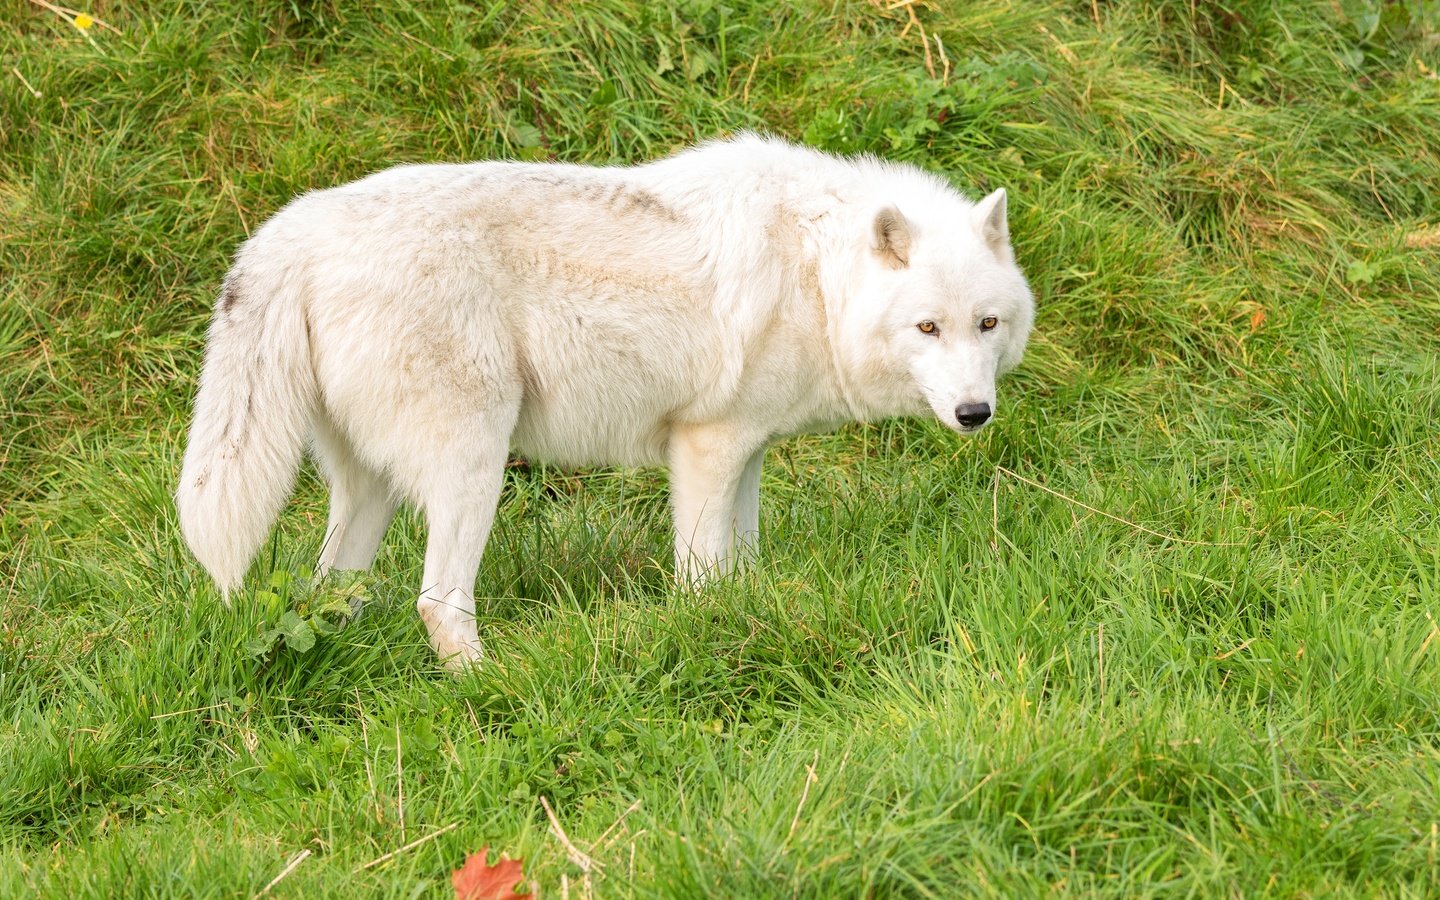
972,414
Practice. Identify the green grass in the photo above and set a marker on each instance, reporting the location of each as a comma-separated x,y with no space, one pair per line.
1169,627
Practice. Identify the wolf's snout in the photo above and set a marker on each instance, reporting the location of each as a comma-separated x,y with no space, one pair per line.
972,415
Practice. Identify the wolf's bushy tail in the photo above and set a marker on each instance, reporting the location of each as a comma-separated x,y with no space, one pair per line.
252,416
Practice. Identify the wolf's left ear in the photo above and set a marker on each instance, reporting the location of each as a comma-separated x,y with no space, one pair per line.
991,221
892,238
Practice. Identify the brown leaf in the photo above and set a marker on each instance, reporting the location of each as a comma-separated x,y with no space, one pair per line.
477,881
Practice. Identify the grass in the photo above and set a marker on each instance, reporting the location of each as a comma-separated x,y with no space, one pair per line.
1167,628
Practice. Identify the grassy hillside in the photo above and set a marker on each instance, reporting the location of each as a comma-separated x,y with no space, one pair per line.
1169,626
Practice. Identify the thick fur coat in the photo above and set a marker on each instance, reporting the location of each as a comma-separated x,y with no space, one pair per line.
419,325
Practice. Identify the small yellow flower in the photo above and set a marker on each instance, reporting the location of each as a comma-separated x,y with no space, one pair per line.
84,22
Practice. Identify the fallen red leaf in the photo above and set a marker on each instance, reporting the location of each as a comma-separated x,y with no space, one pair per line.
478,881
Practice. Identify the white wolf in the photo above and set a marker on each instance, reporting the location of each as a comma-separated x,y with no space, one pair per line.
419,324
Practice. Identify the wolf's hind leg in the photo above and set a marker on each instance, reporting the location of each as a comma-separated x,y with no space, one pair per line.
362,503
459,495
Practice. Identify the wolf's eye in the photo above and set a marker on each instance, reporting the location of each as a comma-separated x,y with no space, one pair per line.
988,323
928,327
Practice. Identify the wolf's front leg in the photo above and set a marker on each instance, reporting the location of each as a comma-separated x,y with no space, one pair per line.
708,465
747,507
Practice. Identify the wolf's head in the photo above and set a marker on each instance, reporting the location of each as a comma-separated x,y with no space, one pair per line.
940,309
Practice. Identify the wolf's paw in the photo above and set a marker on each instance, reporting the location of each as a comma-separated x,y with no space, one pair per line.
458,655
452,635
463,661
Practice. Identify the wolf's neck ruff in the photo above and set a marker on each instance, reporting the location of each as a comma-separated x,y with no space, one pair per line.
813,277
832,343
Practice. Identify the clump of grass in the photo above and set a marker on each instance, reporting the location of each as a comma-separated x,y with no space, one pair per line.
1167,626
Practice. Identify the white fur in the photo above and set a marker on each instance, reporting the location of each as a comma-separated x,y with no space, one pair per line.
420,324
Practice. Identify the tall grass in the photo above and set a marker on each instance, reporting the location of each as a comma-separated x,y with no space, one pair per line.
1168,627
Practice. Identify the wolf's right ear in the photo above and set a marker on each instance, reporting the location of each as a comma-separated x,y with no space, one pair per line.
892,238
991,221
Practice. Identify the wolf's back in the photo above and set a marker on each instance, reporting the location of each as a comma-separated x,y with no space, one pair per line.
252,417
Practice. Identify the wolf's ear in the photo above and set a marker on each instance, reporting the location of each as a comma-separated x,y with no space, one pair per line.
892,238
991,221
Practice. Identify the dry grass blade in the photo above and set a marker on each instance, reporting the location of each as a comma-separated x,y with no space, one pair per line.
294,862
1113,517
410,846
579,858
